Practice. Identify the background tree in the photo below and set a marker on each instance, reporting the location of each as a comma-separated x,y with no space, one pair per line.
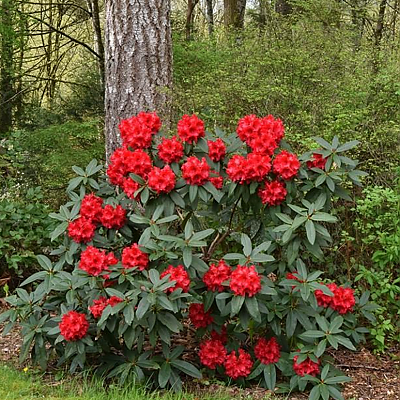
234,12
138,62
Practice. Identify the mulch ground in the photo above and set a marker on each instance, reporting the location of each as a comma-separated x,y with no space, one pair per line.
373,377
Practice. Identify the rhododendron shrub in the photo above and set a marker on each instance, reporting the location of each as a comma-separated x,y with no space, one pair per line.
214,238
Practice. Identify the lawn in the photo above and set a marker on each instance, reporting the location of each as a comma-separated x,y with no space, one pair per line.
16,385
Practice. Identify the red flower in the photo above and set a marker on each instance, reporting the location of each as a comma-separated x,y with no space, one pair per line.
257,167
116,169
286,165
212,353
98,306
217,181
248,127
81,230
307,367
162,180
245,281
133,257
190,129
216,150
136,132
179,275
267,351
170,150
263,144
238,366
343,300
236,167
323,299
137,162
274,127
95,261
273,194
318,161
222,337
200,318
73,326
130,188
91,207
216,275
114,300
195,171
113,218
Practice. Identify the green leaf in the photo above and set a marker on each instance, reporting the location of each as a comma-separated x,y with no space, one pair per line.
324,372
193,189
252,307
345,342
236,304
170,322
164,374
73,183
325,217
177,199
320,348
202,234
246,243
313,334
270,376
310,229
38,276
187,256
335,393
323,143
59,230
348,146
142,308
337,379
187,368
336,324
166,220
315,393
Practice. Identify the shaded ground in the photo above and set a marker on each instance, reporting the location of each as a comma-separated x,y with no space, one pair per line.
373,377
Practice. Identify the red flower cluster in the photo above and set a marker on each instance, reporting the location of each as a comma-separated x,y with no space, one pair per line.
170,150
133,257
101,303
195,171
190,129
123,162
222,337
130,187
200,318
238,366
73,326
216,150
273,193
113,218
245,281
95,261
212,353
267,351
136,132
179,275
254,168
307,367
162,180
342,300
286,165
81,230
261,134
217,181
318,161
91,207
216,275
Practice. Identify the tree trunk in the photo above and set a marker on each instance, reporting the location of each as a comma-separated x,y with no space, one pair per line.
379,23
283,7
234,11
138,62
210,16
94,9
7,65
190,18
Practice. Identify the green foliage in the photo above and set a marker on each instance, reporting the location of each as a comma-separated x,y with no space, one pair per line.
136,338
51,152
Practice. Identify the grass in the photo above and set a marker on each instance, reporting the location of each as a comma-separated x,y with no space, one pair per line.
16,385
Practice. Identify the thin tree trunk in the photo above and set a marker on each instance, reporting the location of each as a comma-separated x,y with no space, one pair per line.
379,23
190,18
6,66
210,16
94,9
234,12
138,62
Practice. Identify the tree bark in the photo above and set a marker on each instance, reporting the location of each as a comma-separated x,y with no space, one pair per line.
138,55
190,18
379,23
6,65
210,17
234,12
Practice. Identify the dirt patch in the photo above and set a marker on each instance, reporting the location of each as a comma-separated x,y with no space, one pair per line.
373,377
